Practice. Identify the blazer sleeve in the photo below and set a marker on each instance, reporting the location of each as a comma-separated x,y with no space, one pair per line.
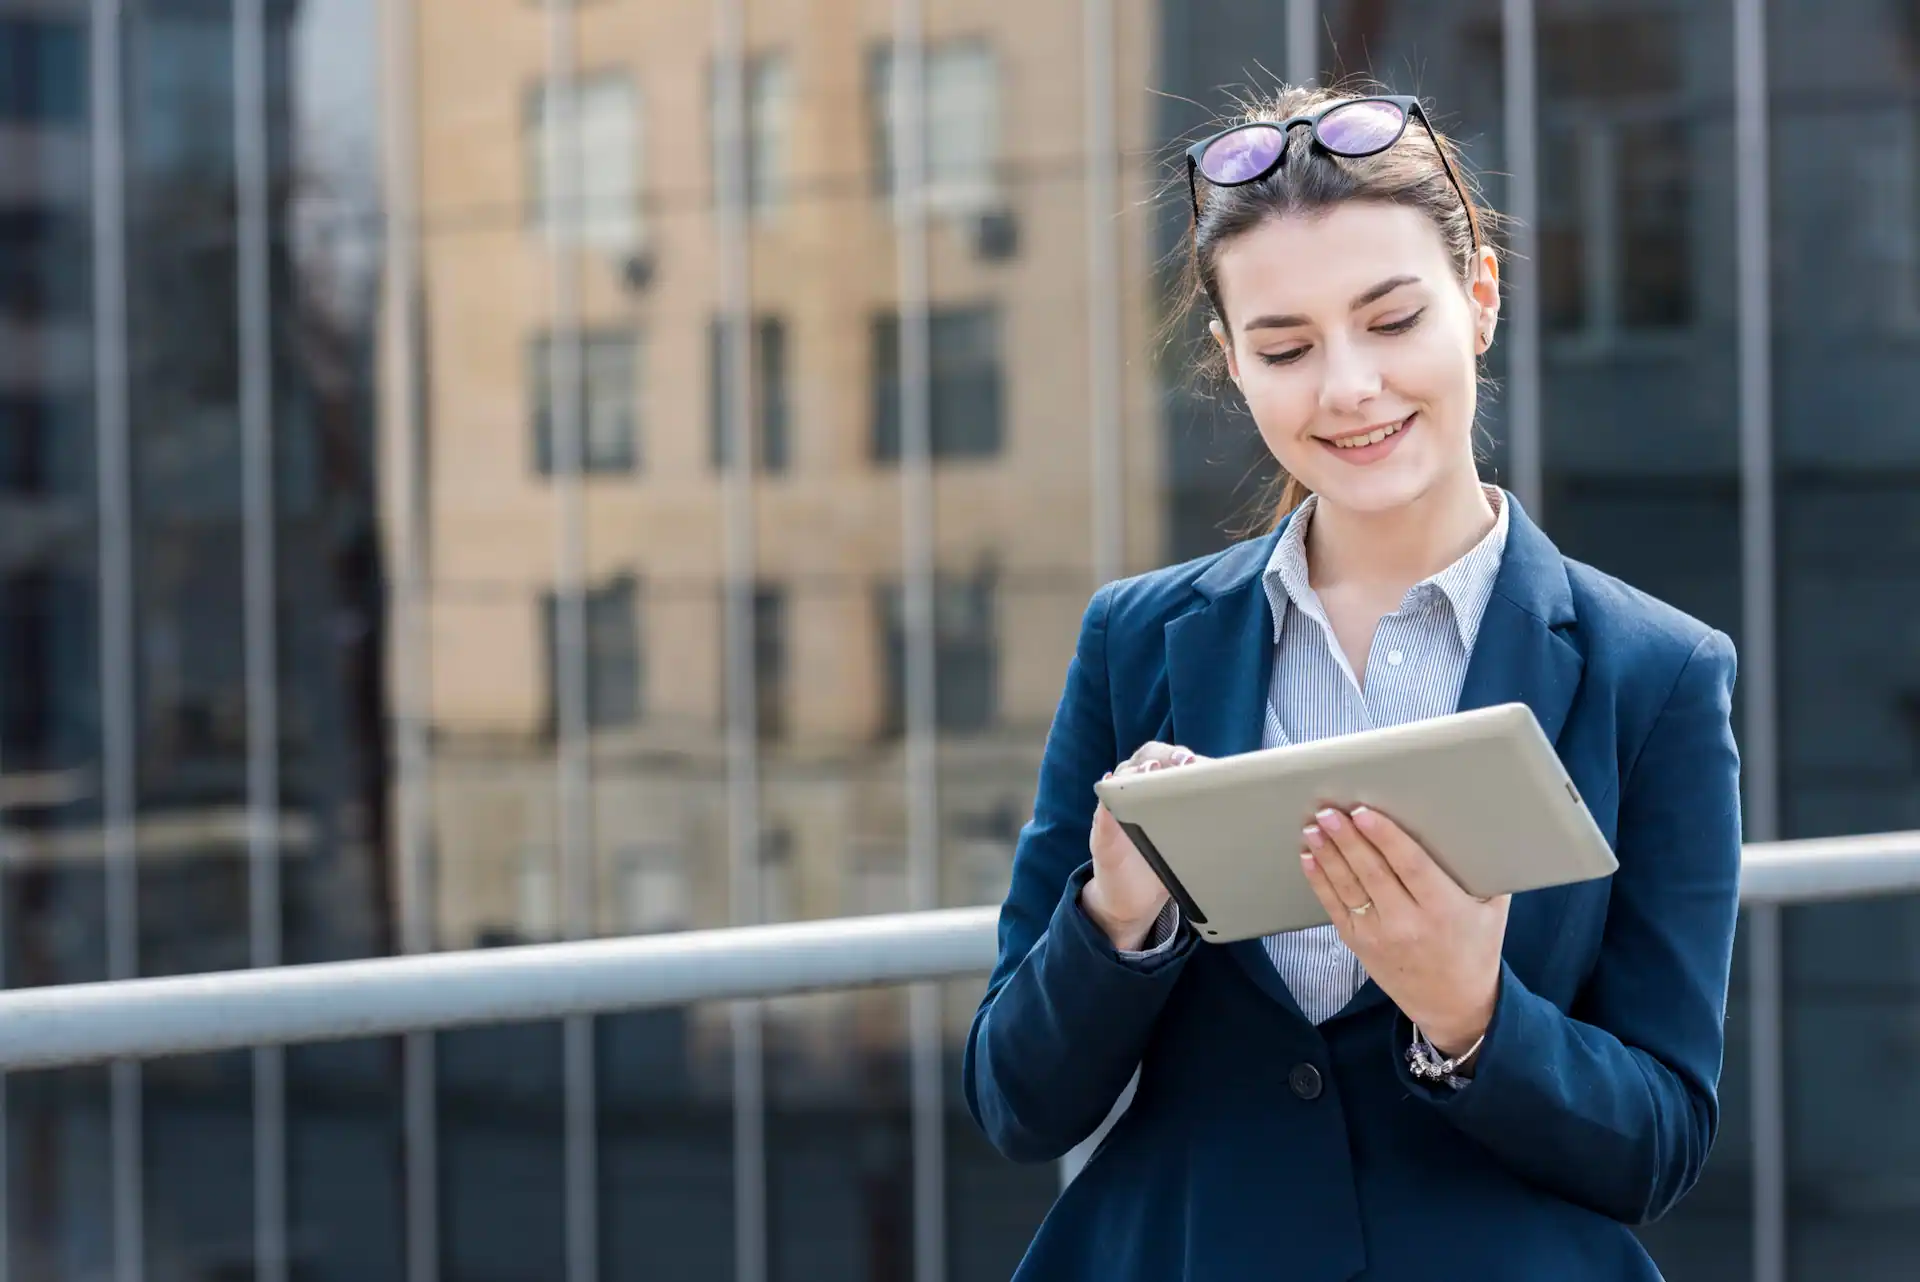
1613,1106
1065,1018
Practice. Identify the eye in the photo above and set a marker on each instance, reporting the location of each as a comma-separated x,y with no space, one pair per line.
1287,357
1402,325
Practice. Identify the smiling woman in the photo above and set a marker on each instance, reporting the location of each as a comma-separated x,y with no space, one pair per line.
1432,1085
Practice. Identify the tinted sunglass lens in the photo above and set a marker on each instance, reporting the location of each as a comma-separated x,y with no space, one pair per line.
1360,128
1242,155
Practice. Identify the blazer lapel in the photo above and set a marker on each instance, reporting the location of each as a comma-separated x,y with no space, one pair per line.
1523,652
1219,660
1219,664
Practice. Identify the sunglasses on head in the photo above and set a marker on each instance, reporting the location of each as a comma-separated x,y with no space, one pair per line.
1353,127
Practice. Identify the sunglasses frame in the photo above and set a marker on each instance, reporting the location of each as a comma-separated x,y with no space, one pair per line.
1409,107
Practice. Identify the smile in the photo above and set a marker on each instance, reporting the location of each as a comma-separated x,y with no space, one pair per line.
1360,440
1368,445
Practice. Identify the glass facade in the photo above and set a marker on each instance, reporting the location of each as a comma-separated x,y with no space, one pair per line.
486,471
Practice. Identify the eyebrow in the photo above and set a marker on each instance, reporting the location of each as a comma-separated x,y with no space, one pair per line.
1371,295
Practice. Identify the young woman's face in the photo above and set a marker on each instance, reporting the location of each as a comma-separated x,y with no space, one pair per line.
1354,343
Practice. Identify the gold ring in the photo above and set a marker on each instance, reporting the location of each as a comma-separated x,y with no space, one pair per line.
1362,910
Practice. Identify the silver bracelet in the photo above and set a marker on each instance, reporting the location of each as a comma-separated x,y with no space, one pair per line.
1425,1061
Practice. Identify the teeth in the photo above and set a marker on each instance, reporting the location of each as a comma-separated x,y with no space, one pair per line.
1374,437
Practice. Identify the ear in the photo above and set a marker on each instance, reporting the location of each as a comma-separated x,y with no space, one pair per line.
1483,290
1219,333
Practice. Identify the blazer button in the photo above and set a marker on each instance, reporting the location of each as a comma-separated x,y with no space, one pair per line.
1305,1080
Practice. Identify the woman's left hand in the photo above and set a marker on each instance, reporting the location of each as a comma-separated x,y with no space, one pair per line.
1433,948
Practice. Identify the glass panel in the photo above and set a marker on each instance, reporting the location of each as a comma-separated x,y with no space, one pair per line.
190,644
833,809
340,855
52,901
513,170
657,825
1846,209
1011,368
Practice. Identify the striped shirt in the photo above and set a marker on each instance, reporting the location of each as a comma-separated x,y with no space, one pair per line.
1415,669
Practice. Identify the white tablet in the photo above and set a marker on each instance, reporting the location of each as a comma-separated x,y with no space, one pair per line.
1482,790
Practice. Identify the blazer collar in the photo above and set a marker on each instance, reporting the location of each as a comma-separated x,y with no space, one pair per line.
1240,564
1527,651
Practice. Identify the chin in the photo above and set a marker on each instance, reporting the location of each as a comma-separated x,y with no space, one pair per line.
1374,492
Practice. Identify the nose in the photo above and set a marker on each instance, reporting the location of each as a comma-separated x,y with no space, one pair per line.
1349,377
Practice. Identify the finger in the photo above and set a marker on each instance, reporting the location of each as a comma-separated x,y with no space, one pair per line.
1425,881
1376,878
1337,910
1161,754
1339,874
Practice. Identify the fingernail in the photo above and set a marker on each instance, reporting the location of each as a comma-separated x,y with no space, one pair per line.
1306,861
1330,819
1313,836
1363,818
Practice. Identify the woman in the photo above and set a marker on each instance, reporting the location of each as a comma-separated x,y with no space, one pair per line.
1432,1086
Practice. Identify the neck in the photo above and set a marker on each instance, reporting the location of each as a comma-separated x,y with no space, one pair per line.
1395,549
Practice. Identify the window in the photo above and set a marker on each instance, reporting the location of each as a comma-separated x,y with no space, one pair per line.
23,445
43,71
962,124
776,874
770,661
964,399
588,140
607,401
29,648
43,258
1618,177
966,655
767,409
653,889
769,130
612,654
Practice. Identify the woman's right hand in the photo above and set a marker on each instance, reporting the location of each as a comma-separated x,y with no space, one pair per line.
1124,895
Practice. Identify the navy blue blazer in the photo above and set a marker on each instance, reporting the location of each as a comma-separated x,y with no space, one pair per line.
1593,1102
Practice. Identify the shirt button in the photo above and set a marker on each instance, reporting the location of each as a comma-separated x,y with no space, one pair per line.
1305,1080
1396,658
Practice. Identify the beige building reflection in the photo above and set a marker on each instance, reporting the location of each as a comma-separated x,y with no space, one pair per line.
1010,375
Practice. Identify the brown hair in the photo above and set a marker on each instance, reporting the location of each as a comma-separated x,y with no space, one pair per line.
1310,180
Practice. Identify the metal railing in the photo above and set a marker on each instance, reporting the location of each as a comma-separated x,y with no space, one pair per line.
143,1018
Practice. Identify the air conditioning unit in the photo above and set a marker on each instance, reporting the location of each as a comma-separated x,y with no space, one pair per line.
996,235
637,270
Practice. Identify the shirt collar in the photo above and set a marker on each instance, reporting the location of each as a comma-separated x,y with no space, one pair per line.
1466,585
